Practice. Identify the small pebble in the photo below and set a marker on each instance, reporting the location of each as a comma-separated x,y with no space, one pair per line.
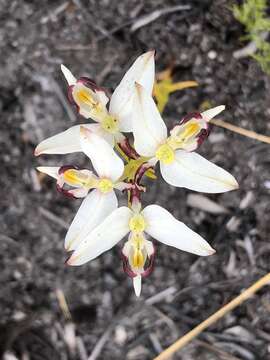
212,55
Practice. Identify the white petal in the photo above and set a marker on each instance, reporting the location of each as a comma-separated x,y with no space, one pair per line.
162,226
104,159
68,141
97,128
125,123
137,283
50,170
211,113
143,72
103,237
148,127
192,171
93,210
79,192
102,97
68,75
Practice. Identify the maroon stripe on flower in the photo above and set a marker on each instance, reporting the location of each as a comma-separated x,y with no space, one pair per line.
91,84
149,269
126,267
64,168
203,134
190,116
65,192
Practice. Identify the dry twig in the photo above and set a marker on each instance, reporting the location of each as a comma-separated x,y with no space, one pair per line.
54,218
100,344
241,131
147,19
63,303
63,100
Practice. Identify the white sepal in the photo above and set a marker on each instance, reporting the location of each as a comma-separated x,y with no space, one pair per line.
143,72
148,127
93,210
137,284
161,225
79,192
192,171
105,161
71,80
68,141
50,170
211,113
103,237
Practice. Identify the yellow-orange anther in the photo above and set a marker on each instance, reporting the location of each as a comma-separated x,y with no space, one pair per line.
85,96
138,259
77,178
189,131
74,177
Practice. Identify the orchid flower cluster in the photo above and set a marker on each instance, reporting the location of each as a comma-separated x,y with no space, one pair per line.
119,165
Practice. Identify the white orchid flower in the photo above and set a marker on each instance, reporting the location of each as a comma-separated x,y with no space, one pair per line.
91,102
102,200
154,221
179,166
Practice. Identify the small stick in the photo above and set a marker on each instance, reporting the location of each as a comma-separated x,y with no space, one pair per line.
163,295
81,348
148,18
54,218
180,343
100,344
54,14
63,303
63,100
241,131
155,342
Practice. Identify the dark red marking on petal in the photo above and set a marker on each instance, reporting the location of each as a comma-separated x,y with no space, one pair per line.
126,266
190,116
128,149
91,84
203,134
64,168
70,96
149,269
141,171
65,192
66,261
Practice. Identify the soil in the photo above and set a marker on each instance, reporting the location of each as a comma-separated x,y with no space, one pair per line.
36,37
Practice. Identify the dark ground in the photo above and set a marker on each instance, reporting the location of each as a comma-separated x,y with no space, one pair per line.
36,37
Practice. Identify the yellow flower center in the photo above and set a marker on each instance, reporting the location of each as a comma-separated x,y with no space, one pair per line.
105,185
165,154
110,124
137,223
